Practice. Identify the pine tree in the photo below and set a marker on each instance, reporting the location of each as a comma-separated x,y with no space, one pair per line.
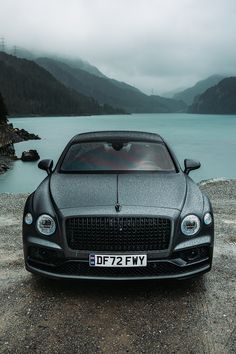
3,110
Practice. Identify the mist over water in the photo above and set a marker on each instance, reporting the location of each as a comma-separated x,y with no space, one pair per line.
208,138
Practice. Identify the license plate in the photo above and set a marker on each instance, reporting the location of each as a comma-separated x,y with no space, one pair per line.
104,260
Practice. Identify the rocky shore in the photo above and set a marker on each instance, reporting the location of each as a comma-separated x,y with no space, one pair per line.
148,317
8,137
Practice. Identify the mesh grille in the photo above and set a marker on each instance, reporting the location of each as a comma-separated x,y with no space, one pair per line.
77,268
118,233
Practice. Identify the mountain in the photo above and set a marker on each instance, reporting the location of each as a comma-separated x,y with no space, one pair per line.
220,99
110,91
81,64
189,94
75,63
28,89
21,53
171,93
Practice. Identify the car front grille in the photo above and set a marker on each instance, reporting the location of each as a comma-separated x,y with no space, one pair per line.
118,233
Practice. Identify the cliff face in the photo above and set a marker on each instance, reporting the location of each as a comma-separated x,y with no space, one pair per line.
8,137
220,99
6,143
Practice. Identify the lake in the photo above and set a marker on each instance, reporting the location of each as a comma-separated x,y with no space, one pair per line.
208,138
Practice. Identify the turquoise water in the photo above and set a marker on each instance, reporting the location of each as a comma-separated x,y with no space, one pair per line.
208,138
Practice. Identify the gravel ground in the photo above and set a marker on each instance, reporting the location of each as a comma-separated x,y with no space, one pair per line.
46,316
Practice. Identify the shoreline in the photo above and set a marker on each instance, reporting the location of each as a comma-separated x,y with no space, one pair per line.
70,115
116,114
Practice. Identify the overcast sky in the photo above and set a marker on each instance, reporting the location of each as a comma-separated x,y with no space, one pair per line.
156,45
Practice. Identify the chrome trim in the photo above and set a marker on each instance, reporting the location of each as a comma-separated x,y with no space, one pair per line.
203,240
43,243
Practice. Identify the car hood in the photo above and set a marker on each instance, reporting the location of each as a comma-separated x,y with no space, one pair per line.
160,190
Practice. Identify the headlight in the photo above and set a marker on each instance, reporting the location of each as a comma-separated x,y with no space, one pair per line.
46,225
190,225
207,219
28,219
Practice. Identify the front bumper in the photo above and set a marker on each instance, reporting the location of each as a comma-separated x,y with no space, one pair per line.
156,270
189,261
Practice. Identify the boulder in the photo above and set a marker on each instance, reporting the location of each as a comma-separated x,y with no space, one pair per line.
3,167
31,155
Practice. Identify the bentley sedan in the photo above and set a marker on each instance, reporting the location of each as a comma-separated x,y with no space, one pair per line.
118,206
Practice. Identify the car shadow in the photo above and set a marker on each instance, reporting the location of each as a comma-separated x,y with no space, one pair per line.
118,288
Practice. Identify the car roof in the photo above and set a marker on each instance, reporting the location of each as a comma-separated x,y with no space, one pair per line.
115,135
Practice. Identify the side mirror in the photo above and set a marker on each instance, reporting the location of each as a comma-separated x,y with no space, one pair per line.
46,165
190,165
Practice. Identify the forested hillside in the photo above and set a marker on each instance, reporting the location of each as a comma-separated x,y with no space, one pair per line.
3,111
220,99
105,90
28,89
188,95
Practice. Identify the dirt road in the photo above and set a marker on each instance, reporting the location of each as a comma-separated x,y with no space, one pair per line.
45,316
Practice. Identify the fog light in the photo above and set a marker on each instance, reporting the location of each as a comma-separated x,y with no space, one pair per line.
28,219
193,254
45,255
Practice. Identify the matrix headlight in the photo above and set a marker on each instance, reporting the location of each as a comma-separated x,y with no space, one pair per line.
190,225
46,225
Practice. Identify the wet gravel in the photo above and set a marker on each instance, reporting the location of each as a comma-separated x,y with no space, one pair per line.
48,316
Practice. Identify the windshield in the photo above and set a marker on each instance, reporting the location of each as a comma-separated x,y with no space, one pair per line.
117,156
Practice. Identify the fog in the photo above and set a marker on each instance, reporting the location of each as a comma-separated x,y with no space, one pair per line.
155,45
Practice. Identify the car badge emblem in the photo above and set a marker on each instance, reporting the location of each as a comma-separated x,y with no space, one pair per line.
117,207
